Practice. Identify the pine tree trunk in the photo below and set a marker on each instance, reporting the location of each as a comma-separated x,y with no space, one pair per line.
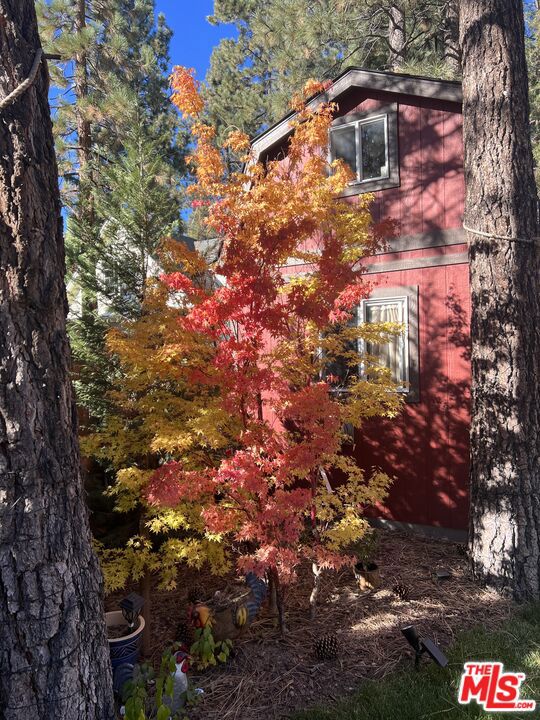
505,327
54,660
85,212
396,37
81,93
452,58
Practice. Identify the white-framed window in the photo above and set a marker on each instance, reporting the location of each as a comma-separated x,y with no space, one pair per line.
393,354
363,145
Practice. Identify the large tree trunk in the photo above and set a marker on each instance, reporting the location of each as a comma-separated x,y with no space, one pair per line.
54,660
501,201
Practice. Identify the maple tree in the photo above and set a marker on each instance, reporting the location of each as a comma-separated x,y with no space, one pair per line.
228,419
273,338
160,412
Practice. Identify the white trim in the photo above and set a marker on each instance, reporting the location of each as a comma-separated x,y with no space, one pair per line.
431,531
415,263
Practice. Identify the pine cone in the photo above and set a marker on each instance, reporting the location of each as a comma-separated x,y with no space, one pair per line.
326,647
184,634
196,595
401,590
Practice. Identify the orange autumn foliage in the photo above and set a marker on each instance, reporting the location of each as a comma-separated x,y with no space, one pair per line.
274,337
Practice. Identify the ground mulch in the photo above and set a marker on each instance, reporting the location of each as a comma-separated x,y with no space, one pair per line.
270,677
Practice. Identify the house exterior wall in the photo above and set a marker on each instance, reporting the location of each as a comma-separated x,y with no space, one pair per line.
426,448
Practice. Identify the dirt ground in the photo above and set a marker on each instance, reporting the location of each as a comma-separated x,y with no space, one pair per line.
270,677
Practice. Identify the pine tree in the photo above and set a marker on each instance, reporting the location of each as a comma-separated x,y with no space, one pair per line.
282,43
533,66
113,76
501,218
120,49
137,206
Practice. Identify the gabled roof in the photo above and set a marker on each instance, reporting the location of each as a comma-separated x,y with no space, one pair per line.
354,77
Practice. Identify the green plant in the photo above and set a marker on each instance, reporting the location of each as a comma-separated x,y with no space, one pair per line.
366,548
149,696
206,651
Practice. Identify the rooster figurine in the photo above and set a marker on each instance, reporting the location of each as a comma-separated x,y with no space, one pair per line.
180,683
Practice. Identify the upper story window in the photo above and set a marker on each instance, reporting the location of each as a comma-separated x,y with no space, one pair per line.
363,145
367,142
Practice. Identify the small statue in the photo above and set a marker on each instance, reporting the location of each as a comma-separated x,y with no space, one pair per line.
180,683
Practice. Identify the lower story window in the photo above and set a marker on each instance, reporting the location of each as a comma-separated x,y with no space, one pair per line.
400,354
393,354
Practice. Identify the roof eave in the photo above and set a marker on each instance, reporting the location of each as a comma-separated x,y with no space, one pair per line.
396,83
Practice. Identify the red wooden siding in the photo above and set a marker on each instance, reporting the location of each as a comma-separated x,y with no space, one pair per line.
426,448
432,190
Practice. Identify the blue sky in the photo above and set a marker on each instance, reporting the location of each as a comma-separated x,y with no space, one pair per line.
194,37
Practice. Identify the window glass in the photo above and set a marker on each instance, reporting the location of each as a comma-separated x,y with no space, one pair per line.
339,368
373,144
363,145
344,146
392,354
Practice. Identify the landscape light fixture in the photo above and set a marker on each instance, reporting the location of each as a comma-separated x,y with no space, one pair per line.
443,574
131,608
421,645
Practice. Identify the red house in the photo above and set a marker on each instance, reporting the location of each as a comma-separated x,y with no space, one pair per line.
402,136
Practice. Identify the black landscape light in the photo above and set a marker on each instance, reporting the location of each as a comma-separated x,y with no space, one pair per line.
421,645
443,574
131,608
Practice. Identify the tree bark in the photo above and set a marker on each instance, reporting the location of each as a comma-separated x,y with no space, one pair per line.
280,600
396,37
451,52
81,93
54,660
505,326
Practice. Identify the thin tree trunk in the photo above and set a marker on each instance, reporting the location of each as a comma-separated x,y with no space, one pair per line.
146,593
280,601
396,37
54,659
505,326
452,55
317,571
81,92
272,600
85,210
145,588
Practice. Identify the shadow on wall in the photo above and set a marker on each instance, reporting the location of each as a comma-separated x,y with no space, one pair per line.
426,448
